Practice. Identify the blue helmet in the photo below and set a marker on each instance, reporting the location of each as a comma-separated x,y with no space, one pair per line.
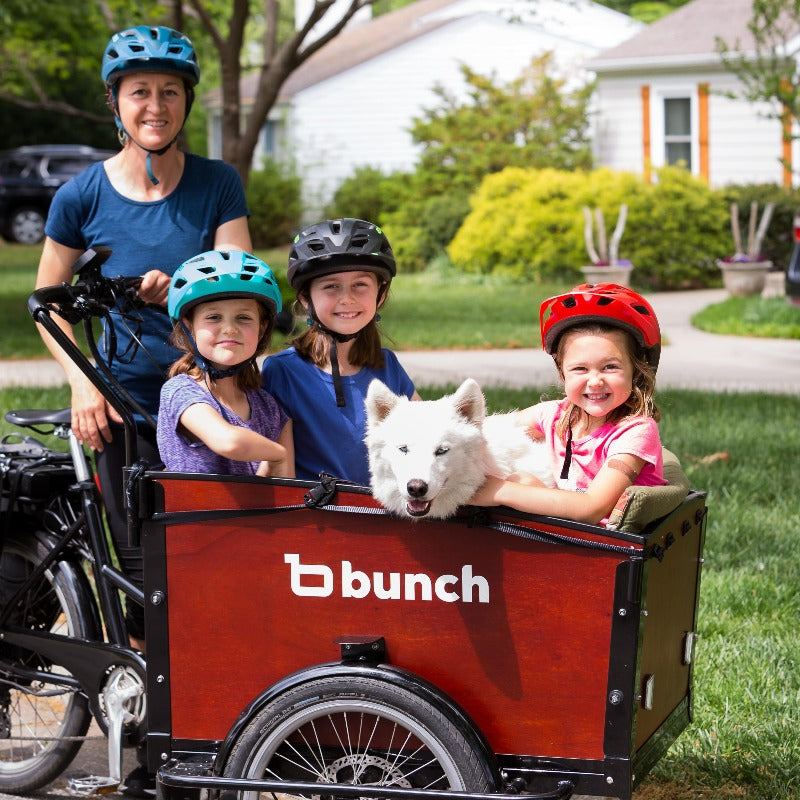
150,49
222,275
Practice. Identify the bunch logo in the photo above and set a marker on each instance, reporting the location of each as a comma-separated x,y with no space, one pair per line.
320,580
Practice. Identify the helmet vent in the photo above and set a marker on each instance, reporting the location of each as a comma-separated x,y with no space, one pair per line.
136,48
604,301
642,310
207,270
570,302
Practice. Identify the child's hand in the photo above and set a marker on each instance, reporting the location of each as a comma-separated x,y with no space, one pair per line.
263,469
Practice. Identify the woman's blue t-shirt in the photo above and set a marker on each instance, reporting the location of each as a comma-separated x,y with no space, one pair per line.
328,438
88,212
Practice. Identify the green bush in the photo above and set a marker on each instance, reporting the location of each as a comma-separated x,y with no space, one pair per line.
368,194
273,196
529,224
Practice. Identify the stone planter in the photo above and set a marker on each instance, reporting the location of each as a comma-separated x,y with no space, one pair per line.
744,278
619,273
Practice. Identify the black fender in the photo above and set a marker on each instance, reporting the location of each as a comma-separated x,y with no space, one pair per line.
386,673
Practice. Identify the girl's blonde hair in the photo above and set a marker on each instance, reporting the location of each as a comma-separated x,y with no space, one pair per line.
640,403
248,378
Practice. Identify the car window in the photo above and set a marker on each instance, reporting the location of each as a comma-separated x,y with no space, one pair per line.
67,166
16,167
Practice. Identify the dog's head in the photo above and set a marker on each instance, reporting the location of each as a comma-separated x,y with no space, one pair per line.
425,458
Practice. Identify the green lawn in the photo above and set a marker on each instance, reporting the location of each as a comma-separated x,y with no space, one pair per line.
743,742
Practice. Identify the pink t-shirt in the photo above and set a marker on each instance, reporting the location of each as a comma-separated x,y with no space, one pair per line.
637,436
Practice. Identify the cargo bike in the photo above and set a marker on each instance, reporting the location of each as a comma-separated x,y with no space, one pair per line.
304,643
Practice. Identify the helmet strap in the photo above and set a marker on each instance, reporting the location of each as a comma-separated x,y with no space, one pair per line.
313,321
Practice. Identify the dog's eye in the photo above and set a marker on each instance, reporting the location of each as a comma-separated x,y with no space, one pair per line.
403,448
440,451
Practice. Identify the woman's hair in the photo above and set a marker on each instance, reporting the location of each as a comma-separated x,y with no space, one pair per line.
248,378
314,345
640,403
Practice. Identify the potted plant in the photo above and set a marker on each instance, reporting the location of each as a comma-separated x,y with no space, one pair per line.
745,272
606,266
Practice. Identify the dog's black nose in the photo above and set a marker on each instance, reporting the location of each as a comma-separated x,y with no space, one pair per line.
417,488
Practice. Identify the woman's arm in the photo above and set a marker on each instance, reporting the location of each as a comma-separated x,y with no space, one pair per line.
229,441
233,235
593,505
90,411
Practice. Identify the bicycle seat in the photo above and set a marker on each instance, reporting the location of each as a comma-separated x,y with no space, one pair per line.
28,417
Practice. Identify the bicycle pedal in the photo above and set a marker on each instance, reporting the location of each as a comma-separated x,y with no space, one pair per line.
91,785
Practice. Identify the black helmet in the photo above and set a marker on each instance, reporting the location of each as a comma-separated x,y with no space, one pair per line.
340,245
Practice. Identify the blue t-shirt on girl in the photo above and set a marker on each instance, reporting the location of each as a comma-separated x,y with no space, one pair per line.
328,438
180,454
87,211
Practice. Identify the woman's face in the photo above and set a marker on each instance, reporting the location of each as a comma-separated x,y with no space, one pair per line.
345,302
152,107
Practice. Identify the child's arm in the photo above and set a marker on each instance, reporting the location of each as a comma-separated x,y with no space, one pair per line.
285,467
593,505
229,441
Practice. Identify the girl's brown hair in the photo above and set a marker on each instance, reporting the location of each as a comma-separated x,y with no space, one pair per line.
248,378
640,403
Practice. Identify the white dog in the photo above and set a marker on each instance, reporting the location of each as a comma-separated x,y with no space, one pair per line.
428,458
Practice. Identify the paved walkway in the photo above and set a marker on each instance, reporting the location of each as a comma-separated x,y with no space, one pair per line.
691,359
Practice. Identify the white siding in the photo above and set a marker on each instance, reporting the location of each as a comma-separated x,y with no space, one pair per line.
361,117
744,144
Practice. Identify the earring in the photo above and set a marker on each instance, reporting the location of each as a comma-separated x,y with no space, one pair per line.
122,137
309,321
377,318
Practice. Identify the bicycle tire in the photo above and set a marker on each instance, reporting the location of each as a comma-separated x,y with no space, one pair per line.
356,730
43,722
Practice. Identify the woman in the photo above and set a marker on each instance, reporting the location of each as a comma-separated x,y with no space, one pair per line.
154,206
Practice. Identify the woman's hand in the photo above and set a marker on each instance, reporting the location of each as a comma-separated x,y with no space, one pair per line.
154,287
90,415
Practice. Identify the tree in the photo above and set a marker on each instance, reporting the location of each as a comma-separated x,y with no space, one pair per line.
770,72
531,122
44,45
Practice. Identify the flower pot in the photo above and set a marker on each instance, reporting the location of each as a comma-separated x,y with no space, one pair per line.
619,273
744,278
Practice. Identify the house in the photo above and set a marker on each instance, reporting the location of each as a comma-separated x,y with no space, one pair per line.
663,96
351,104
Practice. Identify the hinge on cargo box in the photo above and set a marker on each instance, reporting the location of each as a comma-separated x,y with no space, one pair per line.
370,649
688,647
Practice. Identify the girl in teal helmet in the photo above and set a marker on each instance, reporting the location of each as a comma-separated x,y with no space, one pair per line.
214,417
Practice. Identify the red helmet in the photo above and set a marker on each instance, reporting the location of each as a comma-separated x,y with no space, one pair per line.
607,303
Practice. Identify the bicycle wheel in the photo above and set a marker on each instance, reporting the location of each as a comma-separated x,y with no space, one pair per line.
40,722
360,731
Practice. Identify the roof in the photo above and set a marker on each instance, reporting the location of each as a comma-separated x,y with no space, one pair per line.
688,34
353,46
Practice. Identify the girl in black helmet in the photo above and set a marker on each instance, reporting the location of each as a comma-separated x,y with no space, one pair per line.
341,270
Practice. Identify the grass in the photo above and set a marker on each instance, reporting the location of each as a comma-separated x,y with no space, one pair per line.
743,742
771,317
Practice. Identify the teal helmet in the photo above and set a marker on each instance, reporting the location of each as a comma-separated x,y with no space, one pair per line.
150,49
222,275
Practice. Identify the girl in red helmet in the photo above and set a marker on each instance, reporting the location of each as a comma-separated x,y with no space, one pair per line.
603,435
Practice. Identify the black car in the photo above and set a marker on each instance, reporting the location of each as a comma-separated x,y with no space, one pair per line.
29,177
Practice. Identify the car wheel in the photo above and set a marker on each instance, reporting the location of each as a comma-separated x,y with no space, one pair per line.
26,226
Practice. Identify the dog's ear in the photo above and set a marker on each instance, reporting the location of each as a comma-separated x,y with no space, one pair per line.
470,402
380,400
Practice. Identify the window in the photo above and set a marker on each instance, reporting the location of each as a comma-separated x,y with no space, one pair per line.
678,131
